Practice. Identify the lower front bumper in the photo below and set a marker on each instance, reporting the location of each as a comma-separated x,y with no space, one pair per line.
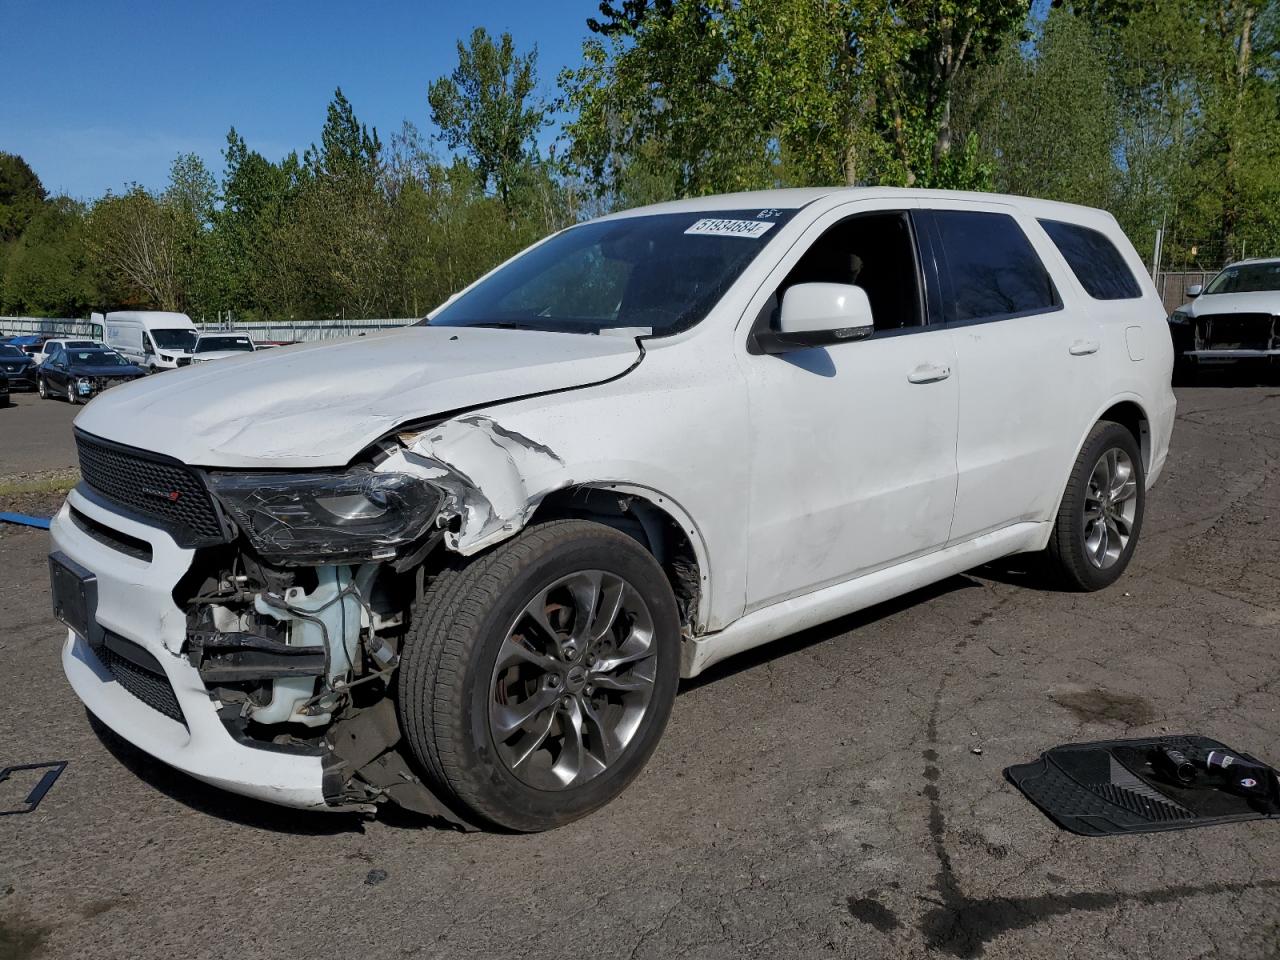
203,748
135,602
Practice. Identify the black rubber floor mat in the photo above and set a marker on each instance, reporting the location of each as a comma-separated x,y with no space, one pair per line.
1129,786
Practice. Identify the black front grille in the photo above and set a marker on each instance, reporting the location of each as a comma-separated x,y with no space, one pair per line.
1237,331
140,673
160,491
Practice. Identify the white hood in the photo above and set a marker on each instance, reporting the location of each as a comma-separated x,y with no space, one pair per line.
319,404
1267,301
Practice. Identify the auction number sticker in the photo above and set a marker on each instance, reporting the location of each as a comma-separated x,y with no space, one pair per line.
731,228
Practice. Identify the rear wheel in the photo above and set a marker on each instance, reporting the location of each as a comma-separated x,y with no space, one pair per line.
42,388
1100,518
539,677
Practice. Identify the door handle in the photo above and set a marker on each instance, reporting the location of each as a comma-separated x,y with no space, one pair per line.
1082,348
929,373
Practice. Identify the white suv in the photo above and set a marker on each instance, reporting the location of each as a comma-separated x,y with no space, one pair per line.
462,566
1236,319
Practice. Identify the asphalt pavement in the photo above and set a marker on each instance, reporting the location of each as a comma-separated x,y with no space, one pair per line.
823,796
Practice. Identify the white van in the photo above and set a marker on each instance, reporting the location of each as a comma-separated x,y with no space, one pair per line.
154,339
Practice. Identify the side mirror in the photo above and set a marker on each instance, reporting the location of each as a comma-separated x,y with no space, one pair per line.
1194,291
817,315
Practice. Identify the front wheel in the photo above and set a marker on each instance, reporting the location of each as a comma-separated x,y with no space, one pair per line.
539,677
1100,518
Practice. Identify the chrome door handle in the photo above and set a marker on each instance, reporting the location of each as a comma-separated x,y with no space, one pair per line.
1082,348
929,373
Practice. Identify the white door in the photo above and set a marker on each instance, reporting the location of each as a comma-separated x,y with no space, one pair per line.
1027,357
852,445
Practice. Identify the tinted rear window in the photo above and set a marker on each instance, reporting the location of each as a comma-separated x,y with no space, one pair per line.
1094,260
994,269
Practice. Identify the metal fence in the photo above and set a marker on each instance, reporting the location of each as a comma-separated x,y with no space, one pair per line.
1173,285
286,331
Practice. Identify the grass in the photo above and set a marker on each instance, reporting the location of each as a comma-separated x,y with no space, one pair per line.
51,481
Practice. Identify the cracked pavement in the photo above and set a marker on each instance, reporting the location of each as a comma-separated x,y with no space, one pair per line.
819,796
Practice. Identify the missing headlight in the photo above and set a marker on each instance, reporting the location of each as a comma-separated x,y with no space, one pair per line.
309,518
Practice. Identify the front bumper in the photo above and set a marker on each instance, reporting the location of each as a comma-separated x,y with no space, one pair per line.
1224,356
25,380
135,601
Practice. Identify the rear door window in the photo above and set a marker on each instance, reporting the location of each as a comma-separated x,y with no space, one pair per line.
994,271
1095,261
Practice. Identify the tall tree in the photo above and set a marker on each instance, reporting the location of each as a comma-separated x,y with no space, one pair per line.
134,247
1033,99
21,194
46,274
487,108
348,148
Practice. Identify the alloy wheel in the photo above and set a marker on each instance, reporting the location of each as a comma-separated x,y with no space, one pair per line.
1110,508
573,680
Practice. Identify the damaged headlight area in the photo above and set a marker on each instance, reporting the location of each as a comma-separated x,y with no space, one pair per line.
320,518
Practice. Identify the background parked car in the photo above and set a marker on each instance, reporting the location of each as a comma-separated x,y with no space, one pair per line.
1236,319
4,390
217,346
80,375
76,344
18,366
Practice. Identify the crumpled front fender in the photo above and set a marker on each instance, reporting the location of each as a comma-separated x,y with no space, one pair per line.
493,478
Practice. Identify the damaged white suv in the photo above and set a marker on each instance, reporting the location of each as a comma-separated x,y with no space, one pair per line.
462,567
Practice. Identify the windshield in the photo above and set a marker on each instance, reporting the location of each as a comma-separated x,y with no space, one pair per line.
95,358
210,344
11,352
174,339
1247,278
656,274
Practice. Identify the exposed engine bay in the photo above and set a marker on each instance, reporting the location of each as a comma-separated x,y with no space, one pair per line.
302,660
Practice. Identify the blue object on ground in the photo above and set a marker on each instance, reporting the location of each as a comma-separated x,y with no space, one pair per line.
22,518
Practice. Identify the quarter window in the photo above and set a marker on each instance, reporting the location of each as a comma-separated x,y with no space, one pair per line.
1095,261
994,270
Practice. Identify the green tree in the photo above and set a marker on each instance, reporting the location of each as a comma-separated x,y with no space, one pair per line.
47,273
487,109
1032,100
724,94
134,250
21,195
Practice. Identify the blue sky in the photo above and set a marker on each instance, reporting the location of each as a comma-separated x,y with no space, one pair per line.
99,93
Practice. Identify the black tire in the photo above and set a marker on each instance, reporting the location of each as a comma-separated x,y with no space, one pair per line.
447,665
1068,560
42,388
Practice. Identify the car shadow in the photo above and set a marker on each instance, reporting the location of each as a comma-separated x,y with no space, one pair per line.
1228,376
777,649
1026,570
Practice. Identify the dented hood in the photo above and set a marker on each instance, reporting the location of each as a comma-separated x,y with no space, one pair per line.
319,404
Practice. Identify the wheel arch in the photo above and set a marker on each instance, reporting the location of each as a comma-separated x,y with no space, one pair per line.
1129,413
1126,410
657,522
